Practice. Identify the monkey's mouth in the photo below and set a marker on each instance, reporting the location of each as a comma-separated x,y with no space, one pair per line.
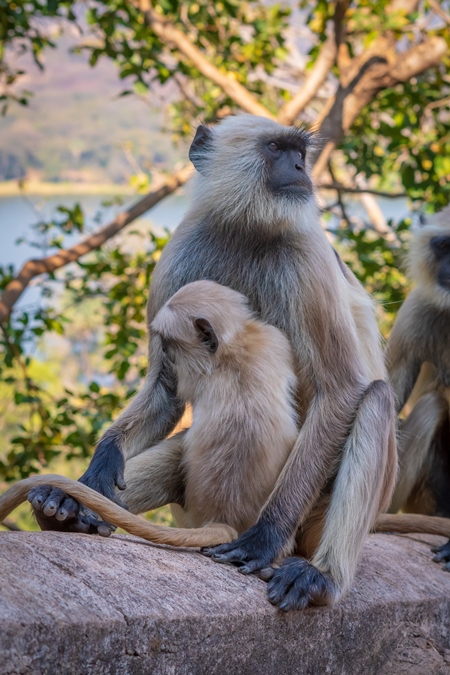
295,189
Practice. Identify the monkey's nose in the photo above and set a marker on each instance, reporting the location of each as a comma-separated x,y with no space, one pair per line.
299,167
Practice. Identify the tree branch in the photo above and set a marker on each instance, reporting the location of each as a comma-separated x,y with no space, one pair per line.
33,268
314,80
435,6
357,191
378,73
168,33
340,34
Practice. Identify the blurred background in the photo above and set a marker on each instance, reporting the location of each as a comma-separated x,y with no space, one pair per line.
99,101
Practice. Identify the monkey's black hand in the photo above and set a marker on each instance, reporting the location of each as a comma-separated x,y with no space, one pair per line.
251,552
55,510
298,584
443,554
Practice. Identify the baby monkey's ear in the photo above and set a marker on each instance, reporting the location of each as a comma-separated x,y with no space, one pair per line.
206,334
201,147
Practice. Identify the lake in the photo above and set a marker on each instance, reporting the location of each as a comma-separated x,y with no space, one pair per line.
17,214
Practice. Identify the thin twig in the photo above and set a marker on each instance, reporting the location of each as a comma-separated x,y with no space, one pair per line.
353,190
435,6
339,196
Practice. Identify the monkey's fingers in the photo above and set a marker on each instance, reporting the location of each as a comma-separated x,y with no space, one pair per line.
251,566
238,556
55,510
88,522
442,554
296,584
215,550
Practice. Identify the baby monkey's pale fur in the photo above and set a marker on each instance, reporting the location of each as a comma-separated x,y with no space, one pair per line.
244,420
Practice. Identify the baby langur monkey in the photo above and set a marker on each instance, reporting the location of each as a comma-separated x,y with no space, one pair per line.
418,358
238,375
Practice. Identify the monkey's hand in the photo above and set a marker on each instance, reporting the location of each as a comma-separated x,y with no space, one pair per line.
55,510
443,554
296,584
251,552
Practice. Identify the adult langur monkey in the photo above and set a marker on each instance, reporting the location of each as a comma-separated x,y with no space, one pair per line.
418,358
253,226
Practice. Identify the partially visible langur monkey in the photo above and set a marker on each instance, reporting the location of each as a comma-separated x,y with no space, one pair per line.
254,226
418,358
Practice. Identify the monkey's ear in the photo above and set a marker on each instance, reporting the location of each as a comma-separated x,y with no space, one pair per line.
420,219
200,147
206,334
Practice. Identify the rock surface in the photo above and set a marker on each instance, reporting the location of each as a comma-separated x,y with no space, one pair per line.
87,605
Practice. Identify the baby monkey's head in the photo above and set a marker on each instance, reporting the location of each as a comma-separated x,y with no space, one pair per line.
198,325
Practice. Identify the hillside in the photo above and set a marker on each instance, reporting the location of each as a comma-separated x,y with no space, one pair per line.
76,128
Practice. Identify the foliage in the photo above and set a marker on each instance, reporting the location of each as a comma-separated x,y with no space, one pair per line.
51,419
246,36
20,29
379,267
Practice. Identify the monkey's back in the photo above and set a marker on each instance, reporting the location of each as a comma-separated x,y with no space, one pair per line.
243,428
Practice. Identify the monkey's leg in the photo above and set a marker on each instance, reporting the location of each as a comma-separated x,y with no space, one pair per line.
415,441
154,478
151,416
362,478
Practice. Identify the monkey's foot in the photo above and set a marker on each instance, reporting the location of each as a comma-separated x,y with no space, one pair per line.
298,584
55,510
252,551
443,554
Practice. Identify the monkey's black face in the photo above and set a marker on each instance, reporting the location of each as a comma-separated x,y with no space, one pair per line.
441,249
286,160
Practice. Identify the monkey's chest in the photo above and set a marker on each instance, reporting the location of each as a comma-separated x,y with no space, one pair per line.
272,274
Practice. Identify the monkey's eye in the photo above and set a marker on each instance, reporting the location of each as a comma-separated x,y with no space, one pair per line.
274,146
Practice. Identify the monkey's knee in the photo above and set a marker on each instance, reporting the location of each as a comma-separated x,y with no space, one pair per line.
155,477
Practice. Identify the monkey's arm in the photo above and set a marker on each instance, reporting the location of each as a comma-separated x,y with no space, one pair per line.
155,477
402,358
151,416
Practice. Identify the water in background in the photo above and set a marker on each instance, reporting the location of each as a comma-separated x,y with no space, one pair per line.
17,214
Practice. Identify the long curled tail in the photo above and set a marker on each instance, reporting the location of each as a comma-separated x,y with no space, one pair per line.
116,515
406,523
